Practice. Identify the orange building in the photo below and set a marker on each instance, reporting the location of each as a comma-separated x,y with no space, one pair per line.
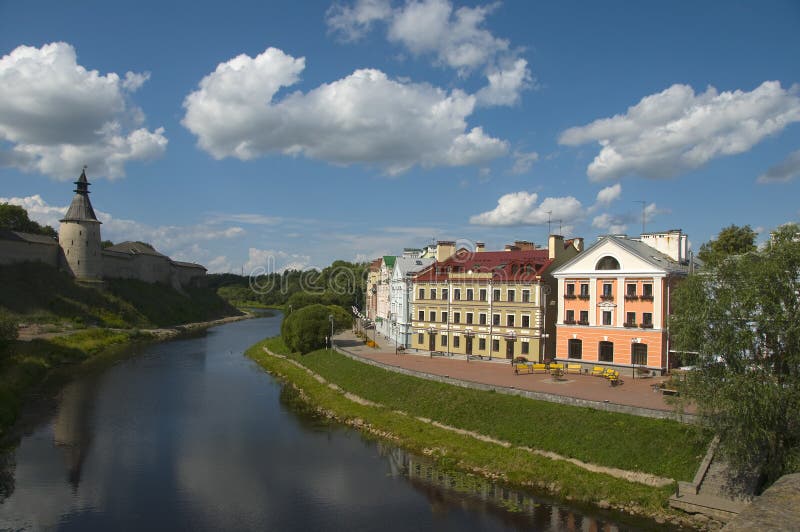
614,299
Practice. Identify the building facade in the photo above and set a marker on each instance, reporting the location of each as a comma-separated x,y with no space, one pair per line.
490,304
614,300
382,318
405,268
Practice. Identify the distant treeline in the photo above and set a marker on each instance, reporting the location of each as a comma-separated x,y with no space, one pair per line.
342,283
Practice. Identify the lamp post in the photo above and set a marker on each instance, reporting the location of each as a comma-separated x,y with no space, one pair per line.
330,318
394,331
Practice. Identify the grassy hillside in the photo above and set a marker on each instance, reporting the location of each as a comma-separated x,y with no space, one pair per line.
39,293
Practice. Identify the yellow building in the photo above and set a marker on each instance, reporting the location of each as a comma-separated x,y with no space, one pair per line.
490,303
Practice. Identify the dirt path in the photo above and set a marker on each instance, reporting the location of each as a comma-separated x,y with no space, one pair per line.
631,476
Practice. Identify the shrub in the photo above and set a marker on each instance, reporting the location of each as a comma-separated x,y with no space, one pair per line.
9,330
305,330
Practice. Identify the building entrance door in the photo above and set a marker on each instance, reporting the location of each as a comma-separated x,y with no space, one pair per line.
432,342
509,348
469,345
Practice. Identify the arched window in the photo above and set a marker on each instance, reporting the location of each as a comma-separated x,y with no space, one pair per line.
607,263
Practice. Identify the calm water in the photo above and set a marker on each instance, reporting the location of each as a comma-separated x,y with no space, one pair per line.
191,435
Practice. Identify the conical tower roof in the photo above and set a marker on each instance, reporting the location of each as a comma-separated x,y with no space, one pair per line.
80,210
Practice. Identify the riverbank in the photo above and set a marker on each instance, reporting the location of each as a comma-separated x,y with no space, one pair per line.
40,364
439,421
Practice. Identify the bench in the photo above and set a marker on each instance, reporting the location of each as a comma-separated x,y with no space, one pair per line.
438,354
540,368
556,365
522,367
598,371
574,368
613,377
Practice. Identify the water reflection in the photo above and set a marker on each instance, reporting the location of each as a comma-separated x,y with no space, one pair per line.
191,435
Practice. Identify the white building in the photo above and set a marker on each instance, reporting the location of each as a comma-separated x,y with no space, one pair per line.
405,268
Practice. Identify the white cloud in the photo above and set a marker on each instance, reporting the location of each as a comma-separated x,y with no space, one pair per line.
39,210
351,23
220,264
675,130
273,261
453,37
652,210
56,116
523,161
521,208
611,223
783,172
363,118
609,194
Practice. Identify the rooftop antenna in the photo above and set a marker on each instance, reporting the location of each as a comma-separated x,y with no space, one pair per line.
644,206
560,227
548,222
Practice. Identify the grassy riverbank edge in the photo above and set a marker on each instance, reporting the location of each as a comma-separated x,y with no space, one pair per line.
39,367
465,453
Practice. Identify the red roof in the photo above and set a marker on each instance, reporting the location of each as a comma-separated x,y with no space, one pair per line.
375,265
507,266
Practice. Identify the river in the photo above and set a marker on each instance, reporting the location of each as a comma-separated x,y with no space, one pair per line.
192,435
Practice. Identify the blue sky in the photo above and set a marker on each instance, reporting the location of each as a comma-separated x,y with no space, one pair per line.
296,133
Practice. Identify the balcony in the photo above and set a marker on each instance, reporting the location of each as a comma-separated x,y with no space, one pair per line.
646,325
647,297
606,297
631,297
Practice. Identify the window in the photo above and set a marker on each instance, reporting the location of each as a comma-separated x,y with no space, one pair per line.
574,348
421,338
606,352
456,341
482,294
457,294
421,293
496,294
523,348
584,290
647,291
432,316
606,317
647,319
482,319
584,317
495,345
511,294
630,318
482,344
526,321
444,294
570,289
433,293
495,319
469,318
456,317
607,263
631,290
470,293
421,315
509,320
570,317
443,340
607,287
639,354
444,317
526,296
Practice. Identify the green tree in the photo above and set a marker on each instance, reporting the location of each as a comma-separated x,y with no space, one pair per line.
742,315
731,240
305,330
15,218
8,330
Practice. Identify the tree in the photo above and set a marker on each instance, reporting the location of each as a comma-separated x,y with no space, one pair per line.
305,330
8,330
732,240
15,218
742,315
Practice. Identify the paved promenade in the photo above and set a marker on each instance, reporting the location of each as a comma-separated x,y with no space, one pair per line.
632,392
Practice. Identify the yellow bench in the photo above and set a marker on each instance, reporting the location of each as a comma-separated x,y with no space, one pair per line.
522,368
574,368
556,365
540,368
613,377
598,371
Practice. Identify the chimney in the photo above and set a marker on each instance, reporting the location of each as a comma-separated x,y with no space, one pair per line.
524,245
672,243
511,247
445,250
480,247
555,246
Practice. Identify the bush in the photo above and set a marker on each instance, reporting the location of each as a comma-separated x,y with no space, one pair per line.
9,330
305,330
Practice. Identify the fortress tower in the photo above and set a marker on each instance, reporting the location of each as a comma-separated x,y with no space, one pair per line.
79,235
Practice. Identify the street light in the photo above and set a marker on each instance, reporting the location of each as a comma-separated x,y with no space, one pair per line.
330,318
394,330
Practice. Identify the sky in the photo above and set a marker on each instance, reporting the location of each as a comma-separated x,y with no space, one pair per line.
290,134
